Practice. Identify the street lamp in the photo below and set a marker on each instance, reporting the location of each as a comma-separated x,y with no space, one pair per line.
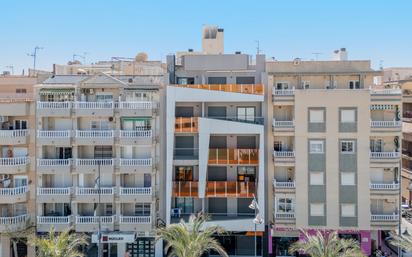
254,205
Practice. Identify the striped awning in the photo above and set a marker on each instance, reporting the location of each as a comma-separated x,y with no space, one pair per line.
383,107
57,91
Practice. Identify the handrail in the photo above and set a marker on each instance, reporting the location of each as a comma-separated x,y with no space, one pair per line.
386,123
94,105
53,133
94,133
54,162
284,154
135,219
53,219
283,92
94,162
230,189
283,123
53,191
14,133
384,186
384,217
13,191
94,219
135,191
255,89
284,215
186,125
285,184
14,161
94,191
384,155
233,156
135,133
142,105
14,220
136,162
54,105
185,189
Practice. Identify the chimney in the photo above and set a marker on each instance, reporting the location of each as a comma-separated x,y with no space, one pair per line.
212,40
340,55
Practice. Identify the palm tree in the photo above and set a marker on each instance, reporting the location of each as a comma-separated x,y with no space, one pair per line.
326,244
403,241
191,239
63,244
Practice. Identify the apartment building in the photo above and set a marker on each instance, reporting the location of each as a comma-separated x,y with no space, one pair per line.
17,162
335,144
98,159
215,141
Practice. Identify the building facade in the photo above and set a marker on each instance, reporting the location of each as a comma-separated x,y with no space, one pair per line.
335,144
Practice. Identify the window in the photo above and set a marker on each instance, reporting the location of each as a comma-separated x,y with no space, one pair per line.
316,178
246,113
21,91
100,125
282,85
354,84
347,146
285,205
20,124
316,209
316,146
277,146
104,97
142,209
376,145
348,210
347,116
103,152
347,178
316,116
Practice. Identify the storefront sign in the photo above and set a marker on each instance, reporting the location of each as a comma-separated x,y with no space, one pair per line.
114,238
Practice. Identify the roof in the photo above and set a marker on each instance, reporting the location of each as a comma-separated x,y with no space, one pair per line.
65,79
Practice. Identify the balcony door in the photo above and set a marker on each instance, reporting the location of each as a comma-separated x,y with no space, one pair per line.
184,173
246,174
20,181
376,145
64,152
246,113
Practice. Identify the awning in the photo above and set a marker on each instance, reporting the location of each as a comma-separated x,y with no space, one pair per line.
56,91
252,233
382,107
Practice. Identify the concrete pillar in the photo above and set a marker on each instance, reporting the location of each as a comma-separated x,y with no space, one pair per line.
5,246
158,248
31,251
121,249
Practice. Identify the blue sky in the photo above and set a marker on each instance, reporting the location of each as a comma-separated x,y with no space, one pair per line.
376,30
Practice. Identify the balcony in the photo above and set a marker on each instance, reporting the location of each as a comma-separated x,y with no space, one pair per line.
384,155
186,154
94,137
54,194
284,215
386,124
142,108
233,156
230,189
283,185
92,165
87,109
14,165
256,89
251,119
13,195
92,194
280,125
14,223
384,188
59,223
54,137
135,194
385,218
136,137
388,91
13,137
135,165
185,189
283,92
186,125
91,223
53,165
54,109
135,223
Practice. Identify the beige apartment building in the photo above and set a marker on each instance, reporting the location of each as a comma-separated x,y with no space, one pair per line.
98,159
334,141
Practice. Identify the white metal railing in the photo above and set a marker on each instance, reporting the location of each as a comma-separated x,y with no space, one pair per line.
94,191
13,191
14,161
53,219
386,123
94,133
94,219
53,190
283,123
284,154
54,105
284,215
135,191
136,162
54,162
384,217
14,220
388,91
381,186
94,162
14,133
94,105
135,133
279,184
283,92
143,105
384,155
54,133
135,219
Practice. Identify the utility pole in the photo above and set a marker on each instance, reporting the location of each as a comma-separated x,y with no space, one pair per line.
34,55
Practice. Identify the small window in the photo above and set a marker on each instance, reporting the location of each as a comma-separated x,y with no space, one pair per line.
354,84
316,146
347,146
316,209
285,205
282,85
348,210
347,116
316,178
347,178
21,91
142,209
316,116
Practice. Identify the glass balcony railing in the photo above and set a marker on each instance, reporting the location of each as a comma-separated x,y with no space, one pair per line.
230,189
234,156
185,189
186,153
186,125
252,120
255,89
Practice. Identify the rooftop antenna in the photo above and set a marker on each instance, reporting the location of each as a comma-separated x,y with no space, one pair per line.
11,67
316,54
381,64
258,47
77,55
34,55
